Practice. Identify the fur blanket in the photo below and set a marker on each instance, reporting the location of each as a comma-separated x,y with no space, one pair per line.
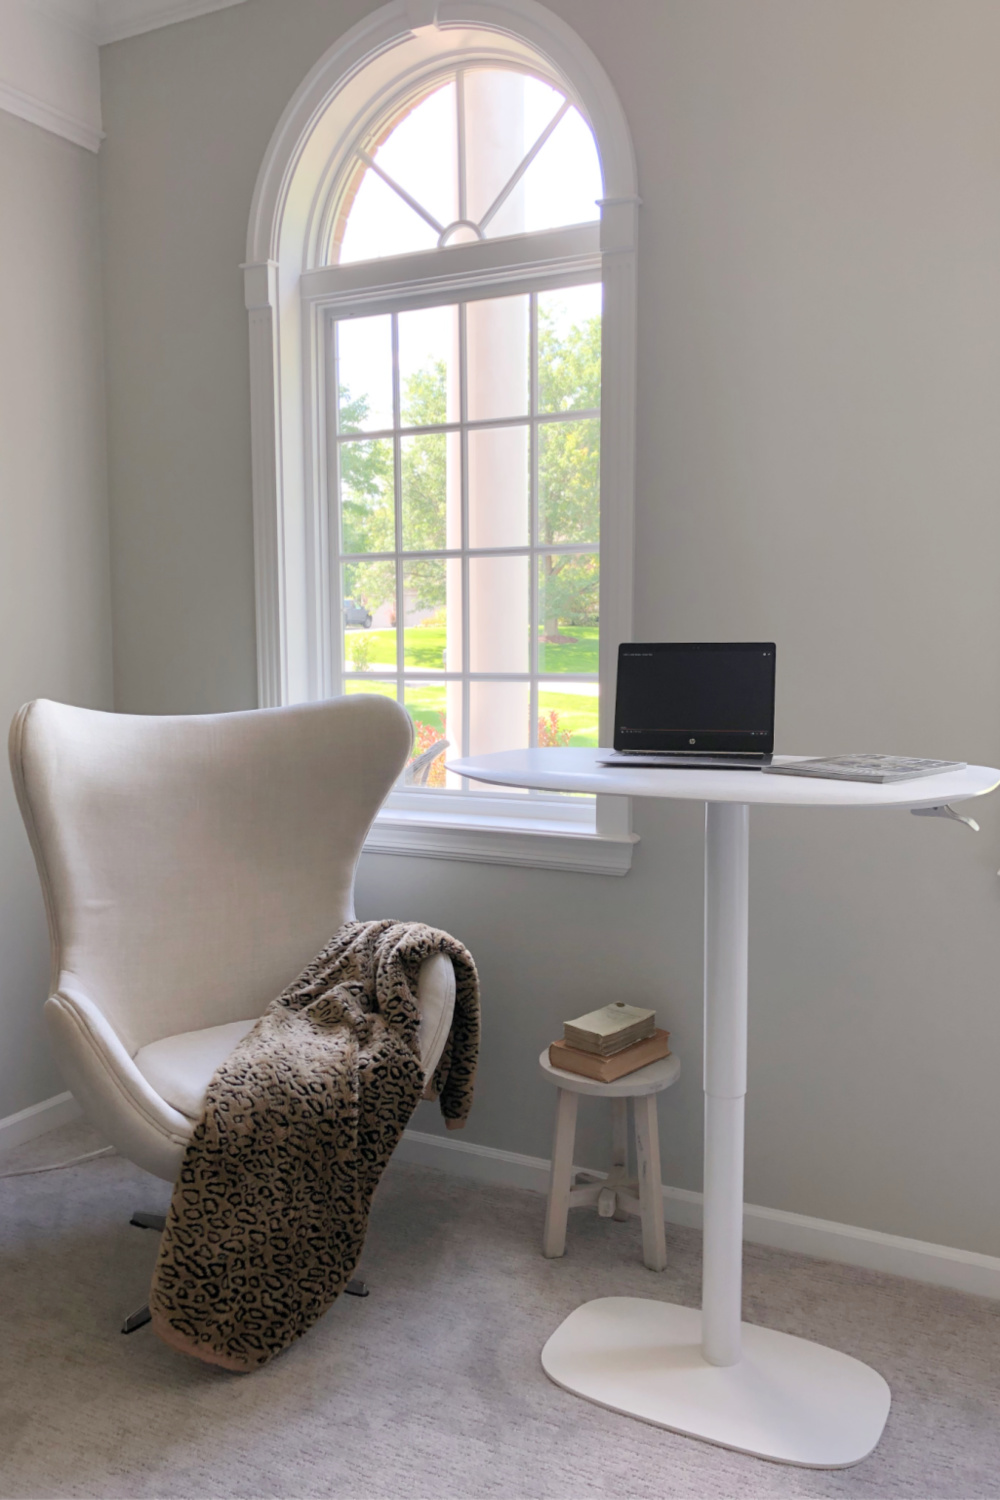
269,1213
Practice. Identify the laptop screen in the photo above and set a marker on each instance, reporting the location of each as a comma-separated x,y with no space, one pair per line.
697,697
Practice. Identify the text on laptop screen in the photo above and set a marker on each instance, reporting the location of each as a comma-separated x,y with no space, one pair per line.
705,696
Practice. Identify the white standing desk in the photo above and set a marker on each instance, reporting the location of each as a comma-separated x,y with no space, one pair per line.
708,1374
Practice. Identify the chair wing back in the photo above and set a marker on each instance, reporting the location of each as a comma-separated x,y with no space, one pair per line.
192,866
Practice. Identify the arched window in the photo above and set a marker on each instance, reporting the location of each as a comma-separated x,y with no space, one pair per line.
429,347
479,153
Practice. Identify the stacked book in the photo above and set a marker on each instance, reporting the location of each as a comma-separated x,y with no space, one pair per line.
609,1043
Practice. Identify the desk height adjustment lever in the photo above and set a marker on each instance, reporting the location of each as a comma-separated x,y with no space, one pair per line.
945,810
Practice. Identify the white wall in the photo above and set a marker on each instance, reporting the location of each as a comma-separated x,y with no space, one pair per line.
54,579
819,463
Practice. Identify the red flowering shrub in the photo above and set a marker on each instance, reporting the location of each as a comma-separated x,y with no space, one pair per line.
425,735
549,732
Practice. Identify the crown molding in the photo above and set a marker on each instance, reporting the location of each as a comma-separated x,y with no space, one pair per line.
49,69
37,112
118,19
49,62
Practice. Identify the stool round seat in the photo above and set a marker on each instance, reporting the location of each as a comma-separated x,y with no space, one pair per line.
648,1080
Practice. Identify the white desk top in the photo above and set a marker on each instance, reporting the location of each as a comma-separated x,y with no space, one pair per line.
570,770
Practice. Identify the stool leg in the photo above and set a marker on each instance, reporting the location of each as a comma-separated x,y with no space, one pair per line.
560,1178
647,1150
619,1147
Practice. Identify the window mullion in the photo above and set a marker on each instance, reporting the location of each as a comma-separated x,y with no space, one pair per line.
401,192
334,535
533,515
460,122
370,434
519,171
397,490
463,415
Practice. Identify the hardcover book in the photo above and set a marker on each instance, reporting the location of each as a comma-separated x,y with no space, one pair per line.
609,1029
619,1065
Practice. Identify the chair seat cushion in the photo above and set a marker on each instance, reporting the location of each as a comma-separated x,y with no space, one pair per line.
180,1067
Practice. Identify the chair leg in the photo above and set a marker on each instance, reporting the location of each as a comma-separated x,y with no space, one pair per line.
647,1149
560,1177
137,1319
356,1288
142,1220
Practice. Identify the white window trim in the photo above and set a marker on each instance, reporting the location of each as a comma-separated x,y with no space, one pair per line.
288,293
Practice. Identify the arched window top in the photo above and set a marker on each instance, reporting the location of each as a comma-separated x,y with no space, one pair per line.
397,75
479,152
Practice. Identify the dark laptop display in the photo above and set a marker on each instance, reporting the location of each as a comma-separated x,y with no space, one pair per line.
689,699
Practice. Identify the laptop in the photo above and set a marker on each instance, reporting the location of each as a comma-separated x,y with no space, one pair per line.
703,704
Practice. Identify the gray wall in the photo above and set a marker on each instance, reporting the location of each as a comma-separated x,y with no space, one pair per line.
818,463
54,583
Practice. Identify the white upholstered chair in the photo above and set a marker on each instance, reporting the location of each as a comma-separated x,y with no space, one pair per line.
191,867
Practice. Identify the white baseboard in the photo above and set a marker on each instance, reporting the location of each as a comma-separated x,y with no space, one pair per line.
941,1265
961,1270
37,1119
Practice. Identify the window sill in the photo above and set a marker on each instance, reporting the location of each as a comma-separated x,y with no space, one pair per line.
537,842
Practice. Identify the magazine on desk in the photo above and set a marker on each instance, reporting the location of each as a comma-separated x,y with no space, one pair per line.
873,768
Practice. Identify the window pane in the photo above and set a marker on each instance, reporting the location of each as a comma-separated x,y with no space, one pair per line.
499,513
367,507
370,685
497,357
498,615
569,349
561,186
568,714
425,619
428,366
498,717
379,222
569,482
369,607
505,113
364,373
421,154
568,590
425,478
426,703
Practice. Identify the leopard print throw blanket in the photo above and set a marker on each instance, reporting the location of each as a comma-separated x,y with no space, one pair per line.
269,1213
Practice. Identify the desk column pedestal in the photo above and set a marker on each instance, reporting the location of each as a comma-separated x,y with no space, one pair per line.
706,1374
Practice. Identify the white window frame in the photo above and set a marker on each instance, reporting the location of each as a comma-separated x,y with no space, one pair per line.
290,296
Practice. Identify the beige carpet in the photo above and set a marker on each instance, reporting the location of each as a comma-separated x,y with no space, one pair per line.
432,1386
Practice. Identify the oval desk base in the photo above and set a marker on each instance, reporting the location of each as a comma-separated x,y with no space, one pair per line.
788,1400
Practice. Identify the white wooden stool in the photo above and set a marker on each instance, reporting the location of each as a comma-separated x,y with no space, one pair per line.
618,1194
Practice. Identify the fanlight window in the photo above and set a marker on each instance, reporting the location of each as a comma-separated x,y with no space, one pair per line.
483,152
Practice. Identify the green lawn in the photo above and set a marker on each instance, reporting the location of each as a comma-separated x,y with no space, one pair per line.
426,702
424,648
577,714
580,655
